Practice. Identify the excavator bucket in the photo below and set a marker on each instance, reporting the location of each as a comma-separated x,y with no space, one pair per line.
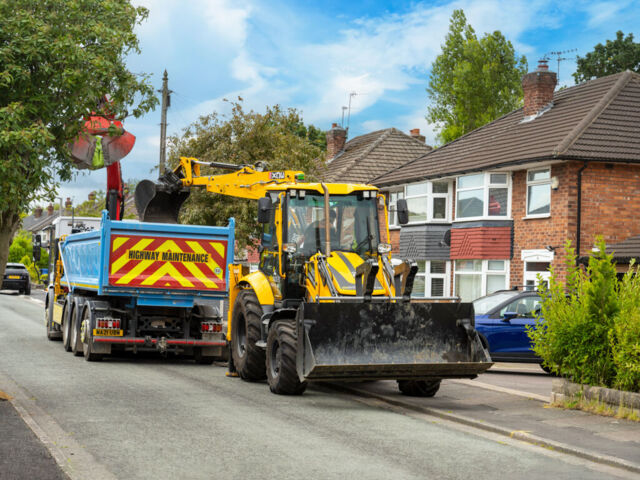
158,202
402,341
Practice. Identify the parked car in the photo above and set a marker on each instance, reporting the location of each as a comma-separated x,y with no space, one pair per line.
501,320
16,277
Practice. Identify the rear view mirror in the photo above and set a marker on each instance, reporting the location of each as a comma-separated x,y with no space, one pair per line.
403,211
264,210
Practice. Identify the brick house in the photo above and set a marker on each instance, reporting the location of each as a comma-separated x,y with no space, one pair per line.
493,209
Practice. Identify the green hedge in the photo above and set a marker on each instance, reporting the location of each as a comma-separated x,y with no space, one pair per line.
589,327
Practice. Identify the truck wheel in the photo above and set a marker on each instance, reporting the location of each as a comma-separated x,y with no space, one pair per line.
202,359
282,348
86,336
53,332
67,311
76,343
419,388
248,358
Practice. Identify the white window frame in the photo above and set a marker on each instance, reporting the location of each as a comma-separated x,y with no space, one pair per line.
535,256
393,197
486,186
484,272
427,275
429,197
546,181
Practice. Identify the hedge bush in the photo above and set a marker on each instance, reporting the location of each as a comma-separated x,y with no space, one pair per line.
588,329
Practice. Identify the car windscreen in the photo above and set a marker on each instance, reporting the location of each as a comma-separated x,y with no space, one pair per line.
484,305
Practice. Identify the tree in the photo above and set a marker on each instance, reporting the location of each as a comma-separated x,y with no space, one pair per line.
57,59
473,81
613,57
243,138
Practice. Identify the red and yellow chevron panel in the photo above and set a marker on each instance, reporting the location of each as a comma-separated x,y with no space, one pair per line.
162,262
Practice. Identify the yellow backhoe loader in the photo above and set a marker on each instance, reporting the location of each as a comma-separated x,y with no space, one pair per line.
327,302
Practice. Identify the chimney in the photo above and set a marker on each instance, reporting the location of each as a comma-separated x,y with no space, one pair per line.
67,206
538,88
91,196
50,209
37,213
336,138
415,133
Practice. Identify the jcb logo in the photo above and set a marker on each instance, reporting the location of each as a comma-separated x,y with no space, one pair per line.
276,175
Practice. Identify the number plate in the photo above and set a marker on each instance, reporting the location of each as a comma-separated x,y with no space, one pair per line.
14,277
106,332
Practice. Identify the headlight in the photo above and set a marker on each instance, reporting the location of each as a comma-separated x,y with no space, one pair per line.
384,248
290,247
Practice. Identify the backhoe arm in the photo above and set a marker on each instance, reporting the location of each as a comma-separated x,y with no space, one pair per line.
161,202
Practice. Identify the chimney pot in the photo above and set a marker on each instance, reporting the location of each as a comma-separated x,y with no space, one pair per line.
50,209
37,212
415,133
336,138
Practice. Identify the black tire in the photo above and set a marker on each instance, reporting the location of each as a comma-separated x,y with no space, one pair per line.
419,388
53,331
86,334
282,348
76,343
249,359
27,289
202,359
67,311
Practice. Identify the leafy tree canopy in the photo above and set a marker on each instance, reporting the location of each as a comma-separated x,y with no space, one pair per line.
613,57
57,59
277,137
473,81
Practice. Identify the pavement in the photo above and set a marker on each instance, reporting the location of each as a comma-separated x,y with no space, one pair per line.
509,402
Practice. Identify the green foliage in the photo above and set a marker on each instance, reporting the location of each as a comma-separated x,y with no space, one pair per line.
91,208
473,81
57,59
625,337
21,247
244,138
613,57
589,329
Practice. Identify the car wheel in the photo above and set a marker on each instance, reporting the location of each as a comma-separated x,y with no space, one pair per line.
27,290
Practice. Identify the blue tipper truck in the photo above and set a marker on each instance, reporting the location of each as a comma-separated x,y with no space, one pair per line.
138,286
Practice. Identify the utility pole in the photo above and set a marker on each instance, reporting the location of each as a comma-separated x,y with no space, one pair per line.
166,103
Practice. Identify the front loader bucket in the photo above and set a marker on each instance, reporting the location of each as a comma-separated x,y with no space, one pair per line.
402,341
156,202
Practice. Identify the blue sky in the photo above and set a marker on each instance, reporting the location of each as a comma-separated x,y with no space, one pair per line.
311,55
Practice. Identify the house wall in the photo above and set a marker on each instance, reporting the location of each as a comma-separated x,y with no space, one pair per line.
538,233
610,203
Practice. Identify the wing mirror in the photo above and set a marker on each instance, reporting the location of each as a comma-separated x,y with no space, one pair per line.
403,211
264,210
508,316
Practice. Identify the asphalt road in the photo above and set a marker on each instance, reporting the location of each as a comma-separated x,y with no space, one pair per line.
148,417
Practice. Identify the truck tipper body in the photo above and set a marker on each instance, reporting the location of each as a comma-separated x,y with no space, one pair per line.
139,286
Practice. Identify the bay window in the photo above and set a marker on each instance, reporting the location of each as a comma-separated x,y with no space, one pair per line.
431,279
393,209
428,201
483,195
476,278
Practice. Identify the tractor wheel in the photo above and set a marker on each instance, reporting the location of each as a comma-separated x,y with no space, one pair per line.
419,388
86,337
67,311
76,343
248,358
282,347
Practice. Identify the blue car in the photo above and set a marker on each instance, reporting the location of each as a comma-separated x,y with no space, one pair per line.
501,321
